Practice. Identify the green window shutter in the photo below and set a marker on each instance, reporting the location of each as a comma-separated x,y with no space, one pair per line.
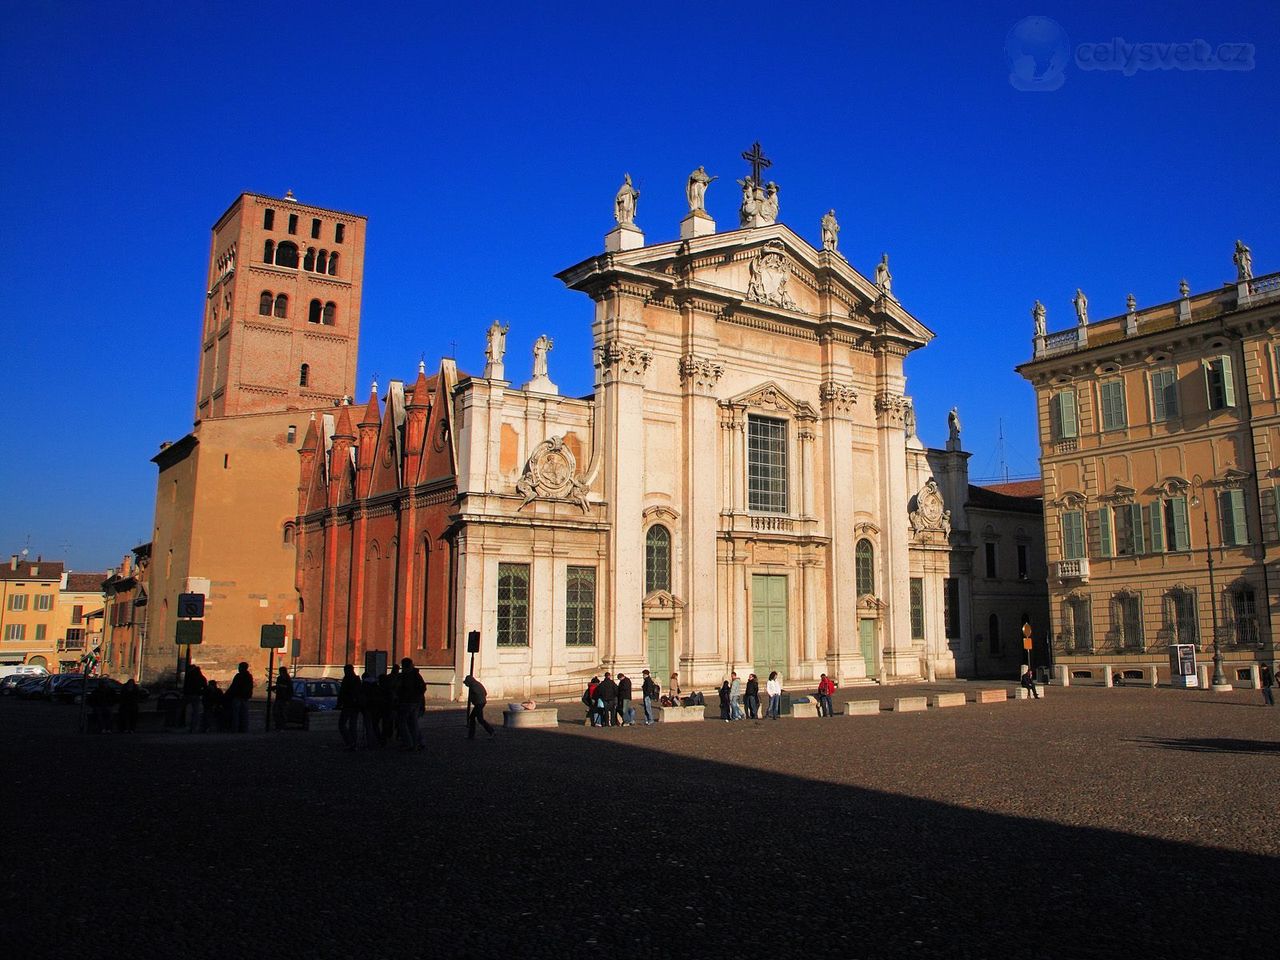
1181,535
1228,382
1268,518
1055,416
1239,519
1171,394
1155,524
1139,539
1073,535
1104,531
1158,412
1113,409
1068,425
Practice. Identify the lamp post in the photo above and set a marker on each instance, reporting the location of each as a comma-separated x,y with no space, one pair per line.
1219,680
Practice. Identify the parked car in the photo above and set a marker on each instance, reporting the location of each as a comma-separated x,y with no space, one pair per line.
23,670
55,683
72,692
30,688
317,694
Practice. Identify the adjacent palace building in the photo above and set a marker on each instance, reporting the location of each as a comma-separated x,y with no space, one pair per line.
1160,440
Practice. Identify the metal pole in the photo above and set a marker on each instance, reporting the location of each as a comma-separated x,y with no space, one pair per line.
1218,678
271,671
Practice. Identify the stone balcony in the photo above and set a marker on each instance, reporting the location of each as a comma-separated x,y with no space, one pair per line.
1074,570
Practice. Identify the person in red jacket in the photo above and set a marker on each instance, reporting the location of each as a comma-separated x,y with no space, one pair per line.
826,688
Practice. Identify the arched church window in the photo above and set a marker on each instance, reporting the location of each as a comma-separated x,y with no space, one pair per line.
264,303
309,261
304,374
864,566
322,262
313,312
330,309
269,252
657,559
333,264
288,532
287,254
282,306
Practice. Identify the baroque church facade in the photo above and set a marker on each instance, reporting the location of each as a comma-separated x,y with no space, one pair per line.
743,490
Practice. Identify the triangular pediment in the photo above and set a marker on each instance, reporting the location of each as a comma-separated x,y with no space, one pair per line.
770,396
662,600
742,271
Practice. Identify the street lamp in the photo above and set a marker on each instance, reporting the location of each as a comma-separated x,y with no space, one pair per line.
1219,680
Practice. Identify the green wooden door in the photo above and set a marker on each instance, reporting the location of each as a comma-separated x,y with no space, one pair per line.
769,624
660,651
867,637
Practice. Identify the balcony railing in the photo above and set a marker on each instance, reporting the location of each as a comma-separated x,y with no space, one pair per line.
772,523
68,645
1073,569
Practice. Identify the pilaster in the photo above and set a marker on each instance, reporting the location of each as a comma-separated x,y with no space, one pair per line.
900,656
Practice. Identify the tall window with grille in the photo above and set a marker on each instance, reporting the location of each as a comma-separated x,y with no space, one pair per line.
513,605
1244,614
657,559
864,565
580,607
1127,618
1182,616
917,608
767,465
1079,617
951,606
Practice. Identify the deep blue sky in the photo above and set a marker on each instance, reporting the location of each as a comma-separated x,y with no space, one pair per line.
485,143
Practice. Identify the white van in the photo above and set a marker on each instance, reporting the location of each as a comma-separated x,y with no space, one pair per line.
21,670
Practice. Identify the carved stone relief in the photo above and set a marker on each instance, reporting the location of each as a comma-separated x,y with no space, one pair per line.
552,473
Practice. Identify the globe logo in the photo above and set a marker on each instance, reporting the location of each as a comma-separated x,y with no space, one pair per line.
1038,51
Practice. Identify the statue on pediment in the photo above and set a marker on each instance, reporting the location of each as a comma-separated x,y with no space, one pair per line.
1037,314
830,231
496,345
884,279
695,190
1082,307
624,204
1244,261
769,205
541,347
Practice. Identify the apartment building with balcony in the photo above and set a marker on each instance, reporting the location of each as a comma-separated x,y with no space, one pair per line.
1160,445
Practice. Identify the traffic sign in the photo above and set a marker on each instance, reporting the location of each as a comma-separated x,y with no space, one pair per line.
1026,630
272,636
191,606
188,632
1026,644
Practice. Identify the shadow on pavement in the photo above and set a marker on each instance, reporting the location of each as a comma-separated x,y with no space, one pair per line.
564,844
1212,745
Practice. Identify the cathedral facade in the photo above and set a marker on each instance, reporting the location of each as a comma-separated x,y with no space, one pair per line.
742,491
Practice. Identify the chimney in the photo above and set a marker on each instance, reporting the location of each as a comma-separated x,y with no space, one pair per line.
13,562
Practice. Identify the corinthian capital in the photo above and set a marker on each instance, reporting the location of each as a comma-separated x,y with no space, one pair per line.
837,397
623,360
891,408
700,373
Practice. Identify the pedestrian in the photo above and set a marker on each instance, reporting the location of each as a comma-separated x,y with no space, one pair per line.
1265,679
751,699
477,697
673,690
589,698
623,713
411,702
99,700
606,696
372,709
211,704
349,706
826,688
773,690
239,693
735,694
129,697
651,693
1029,682
284,695
724,701
193,687
388,722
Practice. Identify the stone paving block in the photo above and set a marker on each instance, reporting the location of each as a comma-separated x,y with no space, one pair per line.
531,718
858,708
908,704
956,699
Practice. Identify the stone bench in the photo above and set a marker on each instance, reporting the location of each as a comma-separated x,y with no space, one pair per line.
541,717
909,704
956,699
991,696
1022,693
859,708
803,708
679,714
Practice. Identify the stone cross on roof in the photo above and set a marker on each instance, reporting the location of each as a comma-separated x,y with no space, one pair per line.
758,161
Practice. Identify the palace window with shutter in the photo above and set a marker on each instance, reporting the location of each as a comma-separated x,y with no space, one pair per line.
1113,408
1219,383
1062,414
1164,395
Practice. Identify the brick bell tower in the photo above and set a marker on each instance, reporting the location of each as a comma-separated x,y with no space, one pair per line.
282,314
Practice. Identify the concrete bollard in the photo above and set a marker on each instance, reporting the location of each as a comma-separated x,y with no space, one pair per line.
862,708
1255,677
1153,677
991,696
907,704
1106,676
1064,674
1202,670
956,699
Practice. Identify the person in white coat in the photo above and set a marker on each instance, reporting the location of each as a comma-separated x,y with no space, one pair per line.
773,689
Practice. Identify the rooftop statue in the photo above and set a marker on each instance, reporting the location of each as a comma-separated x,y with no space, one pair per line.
695,190
1244,261
830,231
624,204
1082,307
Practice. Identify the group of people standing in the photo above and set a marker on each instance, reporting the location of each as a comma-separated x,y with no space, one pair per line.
738,703
390,707
208,707
608,701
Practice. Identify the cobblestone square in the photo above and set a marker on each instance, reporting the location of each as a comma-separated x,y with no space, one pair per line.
1093,823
